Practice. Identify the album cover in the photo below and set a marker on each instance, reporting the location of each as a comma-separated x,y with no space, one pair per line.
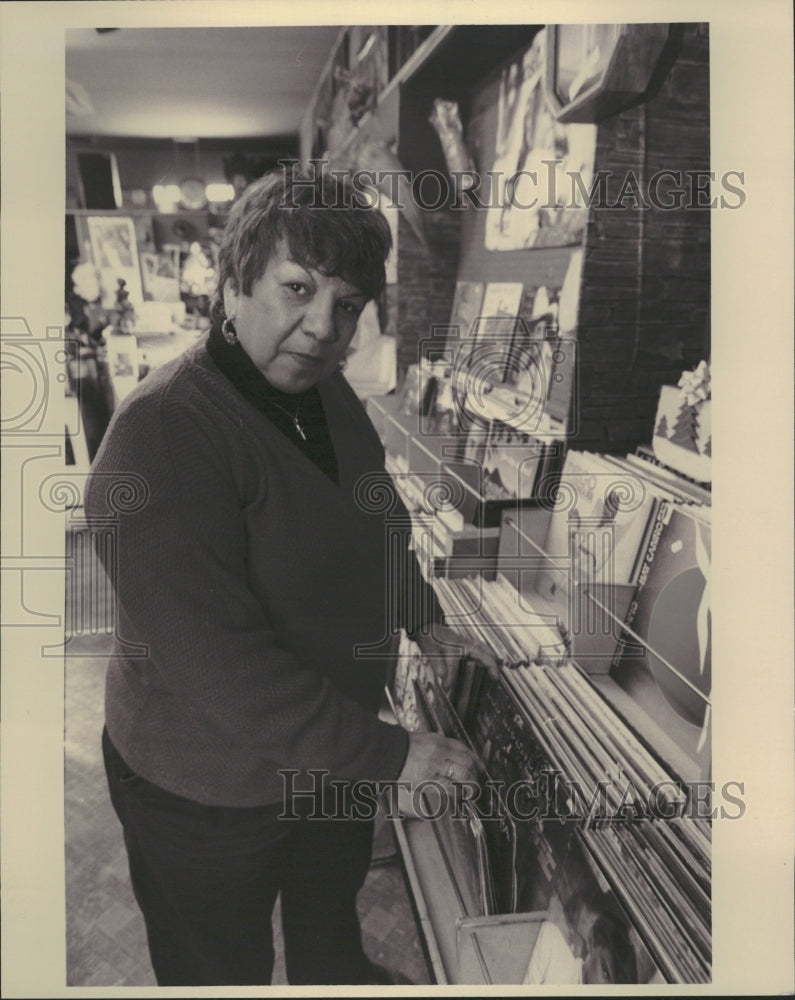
597,529
672,612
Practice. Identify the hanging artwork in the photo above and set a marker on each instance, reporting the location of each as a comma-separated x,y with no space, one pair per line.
115,252
540,165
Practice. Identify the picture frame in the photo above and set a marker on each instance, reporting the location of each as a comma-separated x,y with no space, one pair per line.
114,249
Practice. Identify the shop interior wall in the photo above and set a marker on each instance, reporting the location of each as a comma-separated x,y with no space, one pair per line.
644,312
143,163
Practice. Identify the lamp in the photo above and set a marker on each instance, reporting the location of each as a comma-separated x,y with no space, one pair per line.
189,191
219,194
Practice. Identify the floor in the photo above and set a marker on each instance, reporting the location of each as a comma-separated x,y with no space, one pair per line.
106,942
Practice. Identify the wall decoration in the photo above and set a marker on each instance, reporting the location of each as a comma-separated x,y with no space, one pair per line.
538,165
193,194
361,152
123,362
115,253
682,428
353,148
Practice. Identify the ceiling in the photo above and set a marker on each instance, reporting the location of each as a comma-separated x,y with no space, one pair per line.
197,83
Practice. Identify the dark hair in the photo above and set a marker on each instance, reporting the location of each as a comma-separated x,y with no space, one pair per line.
325,226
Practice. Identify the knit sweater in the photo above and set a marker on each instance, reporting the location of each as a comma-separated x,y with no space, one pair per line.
245,581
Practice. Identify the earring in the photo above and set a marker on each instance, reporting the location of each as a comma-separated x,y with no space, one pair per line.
341,365
229,332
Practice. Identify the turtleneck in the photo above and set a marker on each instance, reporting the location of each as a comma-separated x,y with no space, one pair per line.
279,407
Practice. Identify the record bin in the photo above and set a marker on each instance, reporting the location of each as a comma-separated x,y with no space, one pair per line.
593,614
647,879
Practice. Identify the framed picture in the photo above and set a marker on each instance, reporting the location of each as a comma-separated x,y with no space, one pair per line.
115,252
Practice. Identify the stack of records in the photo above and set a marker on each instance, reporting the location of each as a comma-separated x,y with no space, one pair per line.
493,612
629,522
663,881
604,515
477,837
632,814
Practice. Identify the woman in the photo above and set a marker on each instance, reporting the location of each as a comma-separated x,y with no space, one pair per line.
250,572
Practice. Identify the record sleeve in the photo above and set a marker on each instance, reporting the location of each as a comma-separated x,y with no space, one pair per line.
671,611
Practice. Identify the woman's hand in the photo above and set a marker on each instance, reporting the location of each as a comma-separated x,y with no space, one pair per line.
433,758
444,647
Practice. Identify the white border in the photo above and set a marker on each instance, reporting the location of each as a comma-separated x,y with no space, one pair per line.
752,324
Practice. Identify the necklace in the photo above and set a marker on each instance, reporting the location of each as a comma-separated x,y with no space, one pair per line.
293,416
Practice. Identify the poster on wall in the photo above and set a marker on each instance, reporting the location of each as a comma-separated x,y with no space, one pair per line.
115,252
539,164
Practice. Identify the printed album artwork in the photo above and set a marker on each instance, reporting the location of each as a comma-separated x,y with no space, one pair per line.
629,522
485,331
499,310
510,460
466,308
602,533
672,610
528,140
514,367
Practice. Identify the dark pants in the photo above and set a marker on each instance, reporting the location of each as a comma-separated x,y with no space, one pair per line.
207,877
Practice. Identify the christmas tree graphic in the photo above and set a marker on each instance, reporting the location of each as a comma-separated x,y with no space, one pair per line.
684,430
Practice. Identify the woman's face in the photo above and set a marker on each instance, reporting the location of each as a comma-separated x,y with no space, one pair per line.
297,323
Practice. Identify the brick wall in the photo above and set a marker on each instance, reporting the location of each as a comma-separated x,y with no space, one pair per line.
645,300
426,281
645,297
